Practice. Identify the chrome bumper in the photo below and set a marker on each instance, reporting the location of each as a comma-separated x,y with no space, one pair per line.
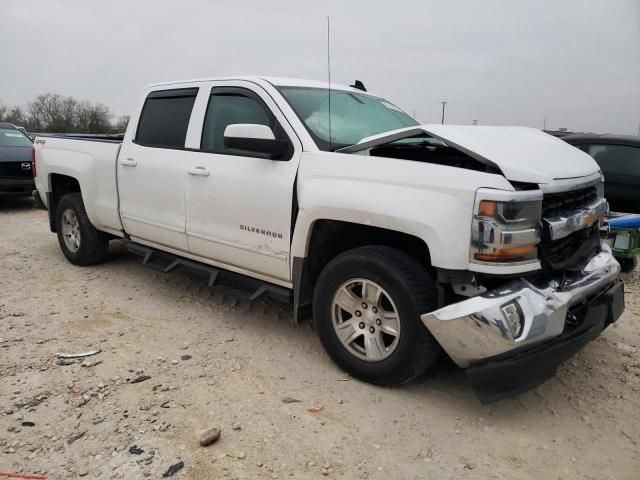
483,326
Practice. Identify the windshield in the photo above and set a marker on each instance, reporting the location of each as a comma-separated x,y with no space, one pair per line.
354,116
13,138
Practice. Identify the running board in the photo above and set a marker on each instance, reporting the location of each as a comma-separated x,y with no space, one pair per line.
222,280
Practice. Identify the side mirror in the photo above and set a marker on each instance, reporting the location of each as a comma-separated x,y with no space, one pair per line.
254,139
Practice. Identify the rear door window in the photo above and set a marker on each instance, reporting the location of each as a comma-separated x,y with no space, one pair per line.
165,118
616,159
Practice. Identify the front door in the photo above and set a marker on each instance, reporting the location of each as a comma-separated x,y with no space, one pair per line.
239,207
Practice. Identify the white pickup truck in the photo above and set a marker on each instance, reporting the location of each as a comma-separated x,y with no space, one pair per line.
401,239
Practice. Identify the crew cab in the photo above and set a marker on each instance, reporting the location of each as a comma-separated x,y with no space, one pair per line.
401,240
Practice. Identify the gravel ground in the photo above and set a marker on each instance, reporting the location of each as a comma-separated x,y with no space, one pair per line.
214,361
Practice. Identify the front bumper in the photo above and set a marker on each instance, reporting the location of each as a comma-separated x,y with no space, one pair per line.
480,330
22,186
518,372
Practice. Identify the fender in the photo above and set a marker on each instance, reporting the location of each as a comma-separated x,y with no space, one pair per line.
428,201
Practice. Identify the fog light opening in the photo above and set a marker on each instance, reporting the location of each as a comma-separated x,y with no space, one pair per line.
514,317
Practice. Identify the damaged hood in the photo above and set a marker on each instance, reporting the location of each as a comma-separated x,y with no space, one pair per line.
522,154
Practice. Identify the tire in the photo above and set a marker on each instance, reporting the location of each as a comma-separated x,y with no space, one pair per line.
403,286
628,264
71,218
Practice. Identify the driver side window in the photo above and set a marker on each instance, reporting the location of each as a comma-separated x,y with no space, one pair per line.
227,108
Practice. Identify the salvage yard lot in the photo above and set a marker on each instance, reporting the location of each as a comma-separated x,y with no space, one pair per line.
215,361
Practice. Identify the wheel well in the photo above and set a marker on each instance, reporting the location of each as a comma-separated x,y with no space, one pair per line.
330,238
60,186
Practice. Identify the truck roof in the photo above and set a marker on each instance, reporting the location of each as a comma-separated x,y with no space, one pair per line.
275,81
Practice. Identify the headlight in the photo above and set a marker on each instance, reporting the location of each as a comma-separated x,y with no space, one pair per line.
505,226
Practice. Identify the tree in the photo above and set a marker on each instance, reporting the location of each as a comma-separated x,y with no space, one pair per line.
53,113
17,116
121,125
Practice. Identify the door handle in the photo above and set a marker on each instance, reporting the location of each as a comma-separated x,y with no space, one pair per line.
201,171
129,162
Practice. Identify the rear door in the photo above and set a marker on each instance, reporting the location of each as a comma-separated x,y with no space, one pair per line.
620,165
240,207
152,168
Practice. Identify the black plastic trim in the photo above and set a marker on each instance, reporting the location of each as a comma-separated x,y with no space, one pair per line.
229,282
51,206
302,288
511,374
174,93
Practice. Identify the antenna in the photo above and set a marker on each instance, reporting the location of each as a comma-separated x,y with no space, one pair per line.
329,75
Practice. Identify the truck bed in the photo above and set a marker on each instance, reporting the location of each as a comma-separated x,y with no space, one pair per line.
91,161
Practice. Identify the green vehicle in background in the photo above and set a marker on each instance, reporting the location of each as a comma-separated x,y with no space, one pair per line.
624,238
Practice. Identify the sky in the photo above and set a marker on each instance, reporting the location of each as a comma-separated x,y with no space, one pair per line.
500,62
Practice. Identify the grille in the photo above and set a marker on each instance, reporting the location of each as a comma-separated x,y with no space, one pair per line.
577,247
14,169
555,204
571,249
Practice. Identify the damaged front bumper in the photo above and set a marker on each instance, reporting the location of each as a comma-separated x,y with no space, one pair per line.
513,338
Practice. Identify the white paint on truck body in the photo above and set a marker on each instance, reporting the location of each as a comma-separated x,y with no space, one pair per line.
219,218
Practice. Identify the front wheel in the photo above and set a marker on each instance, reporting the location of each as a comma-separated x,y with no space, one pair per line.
79,240
367,306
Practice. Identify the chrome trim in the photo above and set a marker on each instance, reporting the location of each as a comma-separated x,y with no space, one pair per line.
563,226
494,236
476,328
506,196
570,184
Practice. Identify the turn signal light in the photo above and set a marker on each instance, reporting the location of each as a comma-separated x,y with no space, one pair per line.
487,208
523,252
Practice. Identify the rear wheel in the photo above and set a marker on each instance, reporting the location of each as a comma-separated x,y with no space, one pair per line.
367,306
79,240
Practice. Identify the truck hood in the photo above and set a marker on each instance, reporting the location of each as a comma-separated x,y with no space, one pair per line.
15,154
522,154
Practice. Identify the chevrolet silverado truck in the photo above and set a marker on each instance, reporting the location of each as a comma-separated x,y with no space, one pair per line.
401,240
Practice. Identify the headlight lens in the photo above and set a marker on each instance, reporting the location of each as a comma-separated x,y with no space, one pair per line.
505,227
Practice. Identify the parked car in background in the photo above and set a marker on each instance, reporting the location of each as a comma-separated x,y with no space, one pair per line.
619,159
16,161
23,130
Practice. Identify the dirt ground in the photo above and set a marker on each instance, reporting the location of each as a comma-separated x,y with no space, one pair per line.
214,361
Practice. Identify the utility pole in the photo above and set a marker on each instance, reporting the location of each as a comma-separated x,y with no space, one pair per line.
475,122
544,126
443,104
